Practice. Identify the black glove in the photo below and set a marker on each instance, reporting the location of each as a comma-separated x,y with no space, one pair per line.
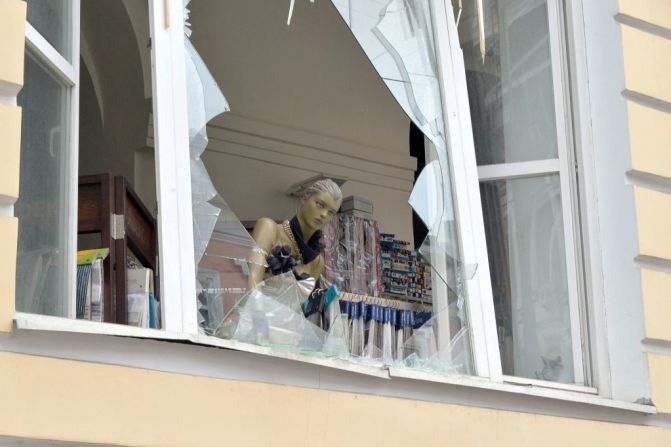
315,302
280,260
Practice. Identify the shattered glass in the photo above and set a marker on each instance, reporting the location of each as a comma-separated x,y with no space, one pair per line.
222,246
397,37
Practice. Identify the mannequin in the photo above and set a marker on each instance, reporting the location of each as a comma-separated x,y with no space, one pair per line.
300,237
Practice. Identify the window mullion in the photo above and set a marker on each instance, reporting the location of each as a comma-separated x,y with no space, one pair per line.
177,272
456,112
567,183
65,70
72,184
518,170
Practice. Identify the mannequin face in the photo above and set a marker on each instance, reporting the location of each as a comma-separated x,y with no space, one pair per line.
317,210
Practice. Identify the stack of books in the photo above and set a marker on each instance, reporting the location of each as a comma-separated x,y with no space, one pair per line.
90,284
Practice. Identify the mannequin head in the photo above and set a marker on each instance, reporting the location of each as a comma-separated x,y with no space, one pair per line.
319,204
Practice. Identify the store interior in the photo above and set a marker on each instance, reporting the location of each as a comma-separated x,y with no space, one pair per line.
305,103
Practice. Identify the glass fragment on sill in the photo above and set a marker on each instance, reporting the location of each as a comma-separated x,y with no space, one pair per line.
271,315
439,345
397,37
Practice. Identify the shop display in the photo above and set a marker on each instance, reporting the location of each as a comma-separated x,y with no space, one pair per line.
351,252
366,305
404,274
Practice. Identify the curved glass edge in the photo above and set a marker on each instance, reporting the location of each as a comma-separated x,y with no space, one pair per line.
221,242
397,37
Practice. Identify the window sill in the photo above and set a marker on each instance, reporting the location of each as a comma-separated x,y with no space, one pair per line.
33,322
36,322
525,389
60,324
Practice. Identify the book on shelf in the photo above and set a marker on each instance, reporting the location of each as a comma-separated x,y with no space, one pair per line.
90,300
142,306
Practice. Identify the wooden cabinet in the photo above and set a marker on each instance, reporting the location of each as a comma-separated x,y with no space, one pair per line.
108,206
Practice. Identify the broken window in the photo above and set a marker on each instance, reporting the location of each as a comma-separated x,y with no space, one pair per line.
379,298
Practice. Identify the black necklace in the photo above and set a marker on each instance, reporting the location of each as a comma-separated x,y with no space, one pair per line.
310,250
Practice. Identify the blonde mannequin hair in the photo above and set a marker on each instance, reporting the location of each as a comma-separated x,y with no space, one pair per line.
325,185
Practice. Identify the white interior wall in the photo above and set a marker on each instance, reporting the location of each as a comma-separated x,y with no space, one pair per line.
114,110
260,161
304,99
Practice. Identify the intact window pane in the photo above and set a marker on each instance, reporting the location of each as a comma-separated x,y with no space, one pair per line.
51,18
511,93
525,240
42,205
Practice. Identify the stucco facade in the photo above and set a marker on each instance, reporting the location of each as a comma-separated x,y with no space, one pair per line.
72,400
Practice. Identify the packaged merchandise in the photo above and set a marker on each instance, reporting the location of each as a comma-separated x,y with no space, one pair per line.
351,252
374,331
356,328
404,274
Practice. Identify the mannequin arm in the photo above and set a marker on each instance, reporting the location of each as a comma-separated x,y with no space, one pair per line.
265,235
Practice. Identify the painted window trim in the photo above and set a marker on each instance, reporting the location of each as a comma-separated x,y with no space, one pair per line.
68,73
466,191
467,176
26,324
171,137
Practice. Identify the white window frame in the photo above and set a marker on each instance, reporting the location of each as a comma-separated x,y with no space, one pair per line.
68,73
173,189
172,154
466,176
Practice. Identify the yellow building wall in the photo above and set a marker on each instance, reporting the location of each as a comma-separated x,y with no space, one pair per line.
647,67
12,25
75,401
657,12
649,136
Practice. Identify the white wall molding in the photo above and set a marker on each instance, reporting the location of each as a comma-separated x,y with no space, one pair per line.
8,92
653,263
656,346
325,143
278,157
642,25
647,101
366,159
649,181
608,212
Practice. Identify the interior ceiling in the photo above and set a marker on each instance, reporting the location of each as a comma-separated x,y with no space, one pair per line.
310,76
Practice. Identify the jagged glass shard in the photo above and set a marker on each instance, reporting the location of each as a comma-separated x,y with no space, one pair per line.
271,315
397,37
222,245
441,345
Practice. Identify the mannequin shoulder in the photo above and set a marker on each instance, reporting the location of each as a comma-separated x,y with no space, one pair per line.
265,224
265,229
